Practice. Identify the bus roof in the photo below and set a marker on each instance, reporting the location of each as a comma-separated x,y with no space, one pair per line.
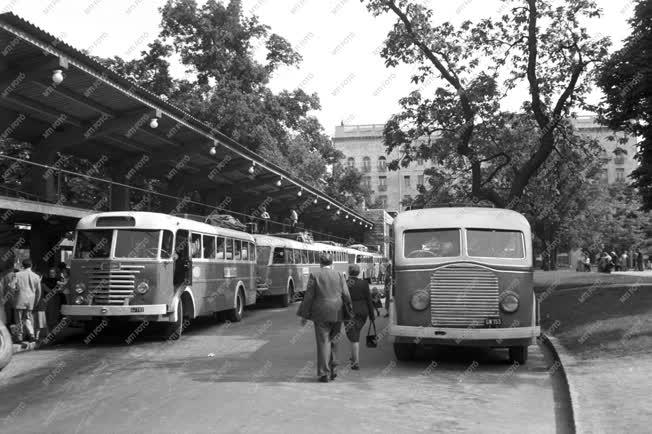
272,241
461,217
154,221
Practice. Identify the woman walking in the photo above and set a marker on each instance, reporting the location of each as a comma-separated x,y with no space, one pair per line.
362,308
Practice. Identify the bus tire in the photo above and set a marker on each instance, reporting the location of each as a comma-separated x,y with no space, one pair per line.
173,330
518,355
288,297
404,352
6,346
235,314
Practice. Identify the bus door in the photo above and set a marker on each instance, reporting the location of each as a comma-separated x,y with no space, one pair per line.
182,265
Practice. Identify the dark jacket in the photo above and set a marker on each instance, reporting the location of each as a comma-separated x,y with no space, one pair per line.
322,301
361,297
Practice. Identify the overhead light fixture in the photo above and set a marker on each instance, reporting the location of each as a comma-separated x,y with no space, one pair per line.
346,216
57,76
300,192
278,183
153,123
328,206
315,201
213,150
252,168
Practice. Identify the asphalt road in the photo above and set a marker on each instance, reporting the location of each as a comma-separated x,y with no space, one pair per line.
259,376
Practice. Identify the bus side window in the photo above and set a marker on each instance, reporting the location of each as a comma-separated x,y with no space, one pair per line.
279,256
289,255
237,249
166,245
209,246
304,257
220,248
229,248
195,246
252,252
245,251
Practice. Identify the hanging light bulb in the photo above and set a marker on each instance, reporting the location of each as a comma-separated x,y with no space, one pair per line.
278,183
338,212
300,192
328,206
153,123
252,168
57,76
213,150
347,216
315,201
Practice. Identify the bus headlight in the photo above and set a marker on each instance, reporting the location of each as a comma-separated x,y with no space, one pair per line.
79,300
420,300
79,288
509,302
142,288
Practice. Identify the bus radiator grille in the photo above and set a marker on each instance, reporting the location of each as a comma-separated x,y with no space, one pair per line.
463,296
112,286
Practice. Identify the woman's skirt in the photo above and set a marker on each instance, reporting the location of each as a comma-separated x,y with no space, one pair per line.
354,327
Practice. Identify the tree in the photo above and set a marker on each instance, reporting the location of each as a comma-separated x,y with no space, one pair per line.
626,80
460,125
227,87
345,185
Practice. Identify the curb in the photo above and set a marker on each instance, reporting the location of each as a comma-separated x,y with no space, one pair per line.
566,360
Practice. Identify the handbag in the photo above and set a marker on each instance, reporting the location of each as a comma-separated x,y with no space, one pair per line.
372,339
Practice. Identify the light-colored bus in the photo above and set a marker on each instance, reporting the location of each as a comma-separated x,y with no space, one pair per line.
339,254
283,267
463,276
138,266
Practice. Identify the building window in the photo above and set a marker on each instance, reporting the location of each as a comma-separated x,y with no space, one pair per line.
382,164
419,180
383,201
406,181
366,181
620,158
350,162
366,164
604,176
420,161
620,174
382,183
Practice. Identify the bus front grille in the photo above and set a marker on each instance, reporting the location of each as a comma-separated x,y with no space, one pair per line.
463,296
111,283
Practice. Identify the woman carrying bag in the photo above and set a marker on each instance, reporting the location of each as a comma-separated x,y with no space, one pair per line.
363,308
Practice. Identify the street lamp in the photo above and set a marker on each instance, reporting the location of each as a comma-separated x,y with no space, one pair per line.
57,76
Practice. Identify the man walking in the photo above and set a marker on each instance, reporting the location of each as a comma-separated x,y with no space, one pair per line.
323,304
28,292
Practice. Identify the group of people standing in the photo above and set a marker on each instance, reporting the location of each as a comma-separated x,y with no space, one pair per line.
331,302
607,262
260,220
25,297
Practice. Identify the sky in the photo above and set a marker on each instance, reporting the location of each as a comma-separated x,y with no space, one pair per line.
338,39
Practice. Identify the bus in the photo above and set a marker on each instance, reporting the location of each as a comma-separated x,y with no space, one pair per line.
143,266
339,254
463,277
283,267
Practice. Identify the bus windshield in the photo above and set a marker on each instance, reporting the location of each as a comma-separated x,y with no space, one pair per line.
492,243
93,244
424,243
132,243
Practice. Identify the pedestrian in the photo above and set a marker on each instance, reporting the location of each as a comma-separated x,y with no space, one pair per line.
324,302
623,261
28,293
587,263
362,309
51,286
639,260
388,287
294,219
7,294
264,215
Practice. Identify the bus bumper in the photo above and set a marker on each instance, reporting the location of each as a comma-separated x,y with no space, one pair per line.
464,334
73,310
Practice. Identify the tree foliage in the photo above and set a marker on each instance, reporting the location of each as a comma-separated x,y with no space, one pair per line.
228,88
460,125
625,79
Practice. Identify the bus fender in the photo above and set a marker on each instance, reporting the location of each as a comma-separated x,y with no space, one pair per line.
238,285
287,285
175,301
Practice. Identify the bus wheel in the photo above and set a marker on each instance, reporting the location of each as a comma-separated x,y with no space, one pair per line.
235,314
6,346
404,352
288,297
173,330
518,355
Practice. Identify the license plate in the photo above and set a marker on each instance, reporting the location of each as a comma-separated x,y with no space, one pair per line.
138,309
492,321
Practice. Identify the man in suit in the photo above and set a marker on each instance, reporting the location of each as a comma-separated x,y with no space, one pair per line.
28,292
323,305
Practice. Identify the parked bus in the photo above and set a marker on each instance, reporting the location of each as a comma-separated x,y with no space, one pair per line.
138,266
463,276
339,254
283,267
